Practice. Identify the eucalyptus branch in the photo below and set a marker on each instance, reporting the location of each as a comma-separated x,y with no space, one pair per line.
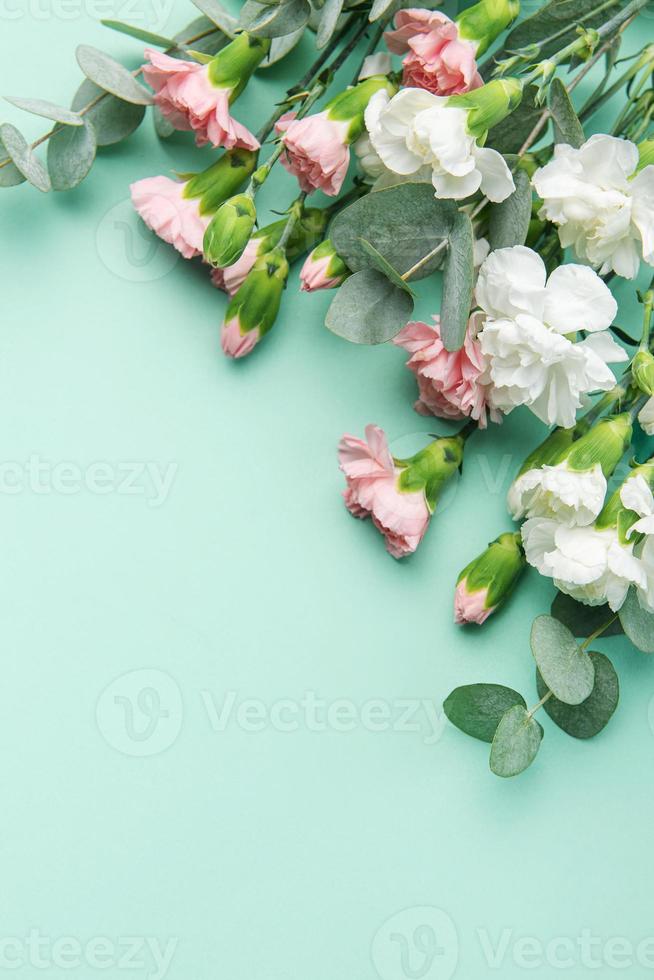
598,632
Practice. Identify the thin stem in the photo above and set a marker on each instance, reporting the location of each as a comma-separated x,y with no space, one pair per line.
598,631
345,52
605,402
648,307
595,102
539,704
370,49
423,261
295,213
326,52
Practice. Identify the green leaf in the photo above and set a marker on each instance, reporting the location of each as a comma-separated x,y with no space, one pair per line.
218,15
567,128
137,32
583,620
477,709
509,135
112,118
637,623
216,37
328,21
10,175
380,8
403,223
47,110
380,263
162,127
71,153
560,18
516,742
458,282
263,20
110,75
566,668
23,157
588,718
509,221
281,46
368,309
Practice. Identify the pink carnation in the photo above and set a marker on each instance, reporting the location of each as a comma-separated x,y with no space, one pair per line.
372,491
176,219
448,381
231,278
437,59
316,151
470,607
186,97
235,343
314,274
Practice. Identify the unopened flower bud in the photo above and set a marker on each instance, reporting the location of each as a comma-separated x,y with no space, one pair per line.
253,309
323,268
229,231
485,21
642,369
488,105
488,580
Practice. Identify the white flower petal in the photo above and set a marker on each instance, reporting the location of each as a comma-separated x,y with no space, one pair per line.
512,281
577,299
646,417
635,494
642,212
375,64
496,178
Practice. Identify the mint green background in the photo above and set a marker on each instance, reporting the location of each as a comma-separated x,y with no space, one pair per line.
268,855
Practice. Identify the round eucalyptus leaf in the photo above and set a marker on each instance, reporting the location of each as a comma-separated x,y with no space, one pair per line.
10,175
477,709
369,309
281,46
23,157
583,620
111,75
48,110
515,743
162,127
588,718
637,623
264,20
218,15
71,153
566,668
403,223
113,119
509,220
567,128
458,282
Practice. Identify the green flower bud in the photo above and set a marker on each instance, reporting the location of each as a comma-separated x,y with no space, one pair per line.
645,154
323,269
486,20
221,180
605,443
431,468
234,64
229,231
552,449
489,579
489,105
350,105
642,370
253,310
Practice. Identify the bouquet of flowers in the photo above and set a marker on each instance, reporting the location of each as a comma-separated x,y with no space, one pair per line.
434,162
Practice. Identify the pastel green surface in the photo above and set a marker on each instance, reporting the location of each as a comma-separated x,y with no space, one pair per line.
319,852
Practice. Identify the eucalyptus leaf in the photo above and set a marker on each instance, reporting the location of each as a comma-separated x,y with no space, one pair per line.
205,35
588,718
218,15
458,282
71,153
509,220
404,223
637,623
477,709
510,134
137,32
515,743
10,175
583,620
23,157
110,75
112,118
382,8
558,21
48,110
385,267
368,309
567,128
263,20
328,21
162,127
565,667
281,46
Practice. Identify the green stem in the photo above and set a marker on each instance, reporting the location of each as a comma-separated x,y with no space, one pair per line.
539,704
294,215
423,261
647,300
595,102
374,41
598,632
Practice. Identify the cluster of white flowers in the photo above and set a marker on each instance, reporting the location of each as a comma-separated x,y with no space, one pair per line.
601,202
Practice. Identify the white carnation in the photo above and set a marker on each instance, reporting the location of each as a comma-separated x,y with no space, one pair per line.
603,211
572,497
416,129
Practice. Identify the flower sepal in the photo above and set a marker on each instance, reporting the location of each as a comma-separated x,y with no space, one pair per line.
485,21
431,468
488,580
